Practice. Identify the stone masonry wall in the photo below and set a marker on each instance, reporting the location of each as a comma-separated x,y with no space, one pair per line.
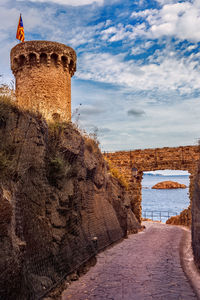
43,73
56,85
177,158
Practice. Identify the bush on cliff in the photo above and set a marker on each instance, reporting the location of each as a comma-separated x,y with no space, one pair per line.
116,174
7,149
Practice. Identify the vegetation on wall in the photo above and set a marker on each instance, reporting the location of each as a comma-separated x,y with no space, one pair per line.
116,174
7,150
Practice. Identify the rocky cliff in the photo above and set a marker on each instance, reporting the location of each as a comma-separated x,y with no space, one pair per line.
59,205
183,219
169,185
196,219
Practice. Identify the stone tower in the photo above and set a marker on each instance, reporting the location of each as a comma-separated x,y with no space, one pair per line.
43,72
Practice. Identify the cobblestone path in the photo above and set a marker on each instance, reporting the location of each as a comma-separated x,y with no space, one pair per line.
145,266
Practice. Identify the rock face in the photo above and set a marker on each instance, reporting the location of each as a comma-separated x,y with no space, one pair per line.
169,185
59,205
196,219
183,219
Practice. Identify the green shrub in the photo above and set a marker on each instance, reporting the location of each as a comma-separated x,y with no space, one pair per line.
57,170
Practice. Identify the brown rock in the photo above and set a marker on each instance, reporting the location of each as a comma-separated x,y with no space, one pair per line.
195,209
169,185
57,217
183,219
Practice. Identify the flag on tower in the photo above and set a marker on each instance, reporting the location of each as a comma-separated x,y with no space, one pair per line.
20,30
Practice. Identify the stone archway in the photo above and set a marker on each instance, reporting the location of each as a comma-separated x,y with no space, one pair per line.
173,158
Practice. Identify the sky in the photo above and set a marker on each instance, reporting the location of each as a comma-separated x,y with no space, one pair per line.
169,172
138,73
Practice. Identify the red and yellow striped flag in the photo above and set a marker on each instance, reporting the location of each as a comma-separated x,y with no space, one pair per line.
20,30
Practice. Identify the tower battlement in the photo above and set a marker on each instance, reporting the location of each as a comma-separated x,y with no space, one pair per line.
43,72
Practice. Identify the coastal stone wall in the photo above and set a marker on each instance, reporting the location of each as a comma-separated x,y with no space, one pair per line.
173,158
43,72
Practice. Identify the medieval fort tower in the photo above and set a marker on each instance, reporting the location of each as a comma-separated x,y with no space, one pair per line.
43,72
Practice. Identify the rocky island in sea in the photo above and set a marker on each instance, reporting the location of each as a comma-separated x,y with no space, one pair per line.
169,185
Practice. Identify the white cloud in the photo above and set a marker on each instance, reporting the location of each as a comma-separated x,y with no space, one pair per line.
169,172
191,47
165,71
121,32
144,13
142,47
163,2
181,20
72,2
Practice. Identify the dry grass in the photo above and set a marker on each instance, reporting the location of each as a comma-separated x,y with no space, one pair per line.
7,91
7,150
6,106
91,145
116,174
7,102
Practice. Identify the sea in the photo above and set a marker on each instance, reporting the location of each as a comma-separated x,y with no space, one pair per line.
159,205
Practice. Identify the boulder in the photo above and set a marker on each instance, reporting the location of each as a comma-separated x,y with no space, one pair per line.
169,185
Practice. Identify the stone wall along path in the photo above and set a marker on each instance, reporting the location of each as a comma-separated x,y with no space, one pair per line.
145,266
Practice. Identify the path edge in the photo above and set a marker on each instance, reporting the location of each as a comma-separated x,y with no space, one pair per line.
187,261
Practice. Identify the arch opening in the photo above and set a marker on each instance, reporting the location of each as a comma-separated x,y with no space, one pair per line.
71,65
43,58
64,61
22,60
167,158
54,59
161,204
32,59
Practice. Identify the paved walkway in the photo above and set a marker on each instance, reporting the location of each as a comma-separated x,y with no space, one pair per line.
145,266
